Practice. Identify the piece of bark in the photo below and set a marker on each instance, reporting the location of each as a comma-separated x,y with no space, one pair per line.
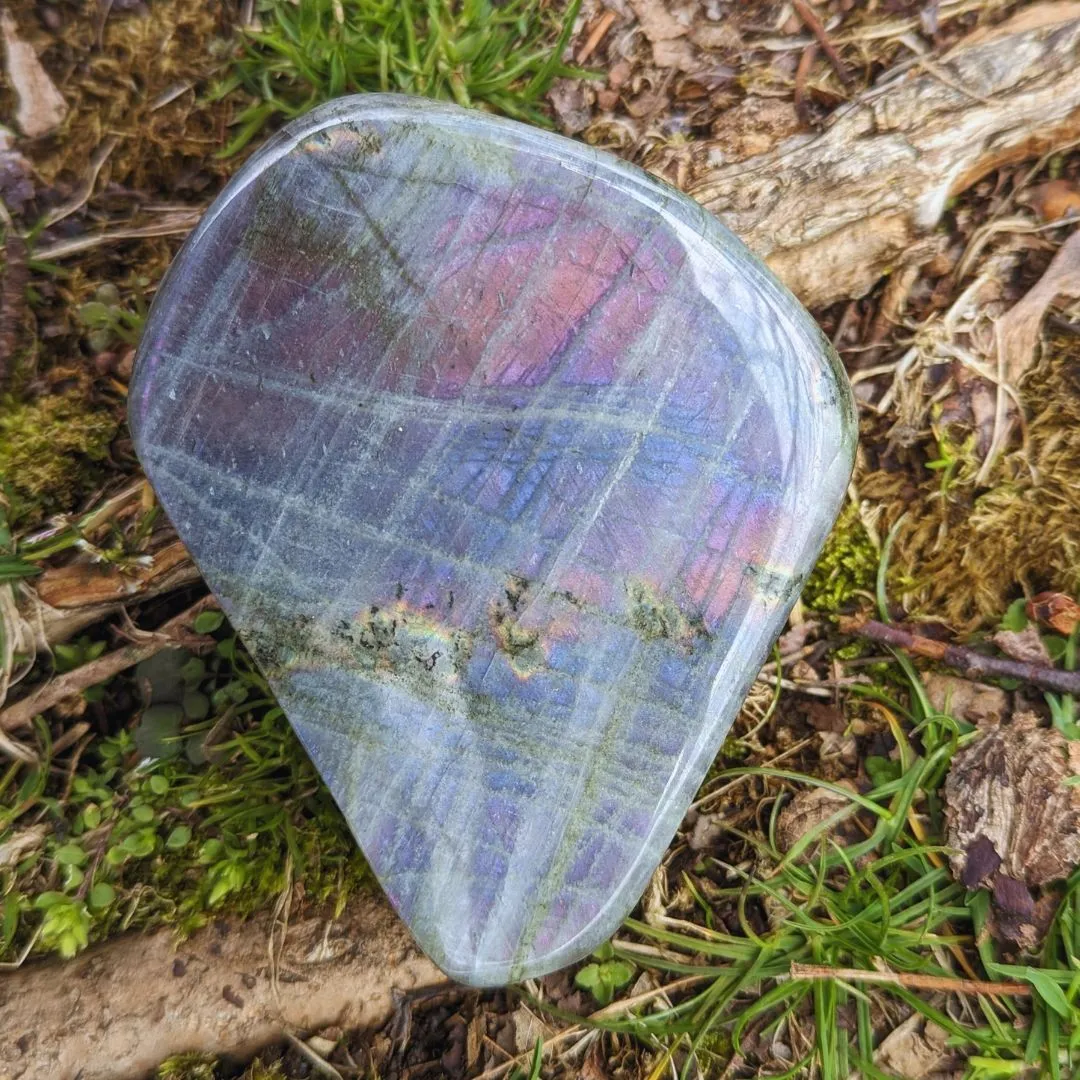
40,106
120,1009
84,582
52,625
1014,820
832,212
1010,787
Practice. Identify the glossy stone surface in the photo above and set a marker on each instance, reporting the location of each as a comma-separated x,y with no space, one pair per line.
507,462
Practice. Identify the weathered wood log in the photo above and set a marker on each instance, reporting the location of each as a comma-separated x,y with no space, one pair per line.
120,1009
833,212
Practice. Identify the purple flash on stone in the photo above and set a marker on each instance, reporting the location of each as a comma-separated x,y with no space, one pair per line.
507,462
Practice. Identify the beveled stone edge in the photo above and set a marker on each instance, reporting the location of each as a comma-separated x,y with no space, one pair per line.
683,212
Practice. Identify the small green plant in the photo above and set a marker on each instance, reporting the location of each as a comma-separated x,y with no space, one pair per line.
66,925
813,914
72,654
604,977
192,1066
501,56
955,463
109,321
534,1065
218,813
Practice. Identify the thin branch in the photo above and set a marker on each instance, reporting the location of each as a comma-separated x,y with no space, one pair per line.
973,664
814,25
16,276
616,1008
175,223
603,25
911,981
98,671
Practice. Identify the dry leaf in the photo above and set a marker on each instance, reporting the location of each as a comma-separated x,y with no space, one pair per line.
680,55
1054,199
656,21
619,75
708,828
474,1039
755,126
1056,610
1018,329
19,844
974,702
913,1050
806,812
567,97
40,107
16,174
647,104
721,35
1024,645
527,1029
594,1067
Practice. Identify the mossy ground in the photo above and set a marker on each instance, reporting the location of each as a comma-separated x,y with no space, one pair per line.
53,452
967,552
845,574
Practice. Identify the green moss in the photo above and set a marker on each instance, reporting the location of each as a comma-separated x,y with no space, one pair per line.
51,452
188,1067
846,569
962,555
196,1066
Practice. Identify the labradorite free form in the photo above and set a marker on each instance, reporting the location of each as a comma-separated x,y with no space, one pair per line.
507,463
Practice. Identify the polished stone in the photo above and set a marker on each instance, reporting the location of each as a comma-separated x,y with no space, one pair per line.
507,462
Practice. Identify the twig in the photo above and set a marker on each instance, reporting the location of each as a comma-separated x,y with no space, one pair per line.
970,662
177,222
97,671
13,297
603,25
914,982
616,1008
814,25
86,188
802,73
316,1061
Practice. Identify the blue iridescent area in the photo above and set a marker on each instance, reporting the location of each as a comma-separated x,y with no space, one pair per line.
507,462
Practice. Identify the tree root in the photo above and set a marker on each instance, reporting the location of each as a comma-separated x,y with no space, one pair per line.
120,1009
833,212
